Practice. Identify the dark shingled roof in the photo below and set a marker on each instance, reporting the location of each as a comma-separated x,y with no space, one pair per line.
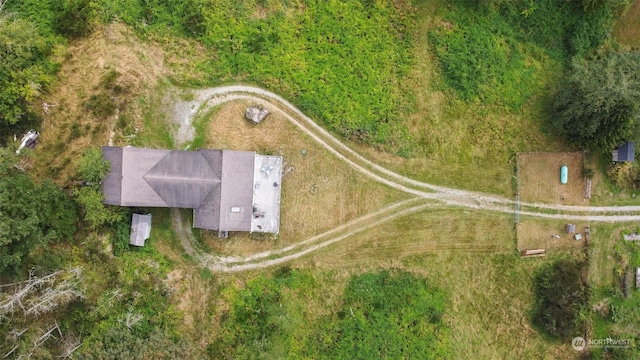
217,184
182,179
112,185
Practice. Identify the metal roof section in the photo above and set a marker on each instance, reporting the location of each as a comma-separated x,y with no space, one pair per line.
267,184
140,229
236,191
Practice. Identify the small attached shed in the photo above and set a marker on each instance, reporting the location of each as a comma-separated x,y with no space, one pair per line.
140,229
624,153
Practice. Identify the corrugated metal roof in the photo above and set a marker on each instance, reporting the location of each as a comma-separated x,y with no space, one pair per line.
236,190
626,152
140,229
267,178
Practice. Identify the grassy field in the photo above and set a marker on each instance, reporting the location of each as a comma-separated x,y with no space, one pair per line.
535,233
461,143
120,70
490,295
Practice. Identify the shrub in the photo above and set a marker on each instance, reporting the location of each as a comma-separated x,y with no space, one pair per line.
101,105
74,18
562,294
26,69
482,59
92,166
388,314
32,216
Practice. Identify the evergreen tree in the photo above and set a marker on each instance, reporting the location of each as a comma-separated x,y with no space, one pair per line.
598,106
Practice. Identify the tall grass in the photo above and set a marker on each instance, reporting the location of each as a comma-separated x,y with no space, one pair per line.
339,61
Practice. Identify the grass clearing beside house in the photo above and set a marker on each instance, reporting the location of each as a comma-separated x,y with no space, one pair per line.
434,230
112,65
489,296
319,191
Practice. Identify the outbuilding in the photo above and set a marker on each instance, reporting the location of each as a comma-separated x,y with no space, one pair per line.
140,229
624,153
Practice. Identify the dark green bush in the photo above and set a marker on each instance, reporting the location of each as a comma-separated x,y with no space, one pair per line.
565,28
101,105
482,59
387,315
32,216
74,18
561,298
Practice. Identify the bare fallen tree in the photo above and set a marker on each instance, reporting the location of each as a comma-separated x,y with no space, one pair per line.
22,302
39,295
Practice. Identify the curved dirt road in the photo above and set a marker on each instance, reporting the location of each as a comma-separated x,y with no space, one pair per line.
184,113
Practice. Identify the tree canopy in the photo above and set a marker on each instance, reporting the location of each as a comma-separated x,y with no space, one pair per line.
31,215
598,106
561,295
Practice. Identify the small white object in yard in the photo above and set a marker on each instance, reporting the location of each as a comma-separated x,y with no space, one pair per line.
45,107
256,114
555,236
578,236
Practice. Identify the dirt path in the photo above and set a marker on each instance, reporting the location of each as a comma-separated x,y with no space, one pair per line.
185,111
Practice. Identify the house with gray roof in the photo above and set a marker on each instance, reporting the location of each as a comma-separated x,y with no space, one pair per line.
228,190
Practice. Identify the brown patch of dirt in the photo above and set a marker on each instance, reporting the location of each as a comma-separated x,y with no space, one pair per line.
260,13
70,127
627,28
541,234
539,178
